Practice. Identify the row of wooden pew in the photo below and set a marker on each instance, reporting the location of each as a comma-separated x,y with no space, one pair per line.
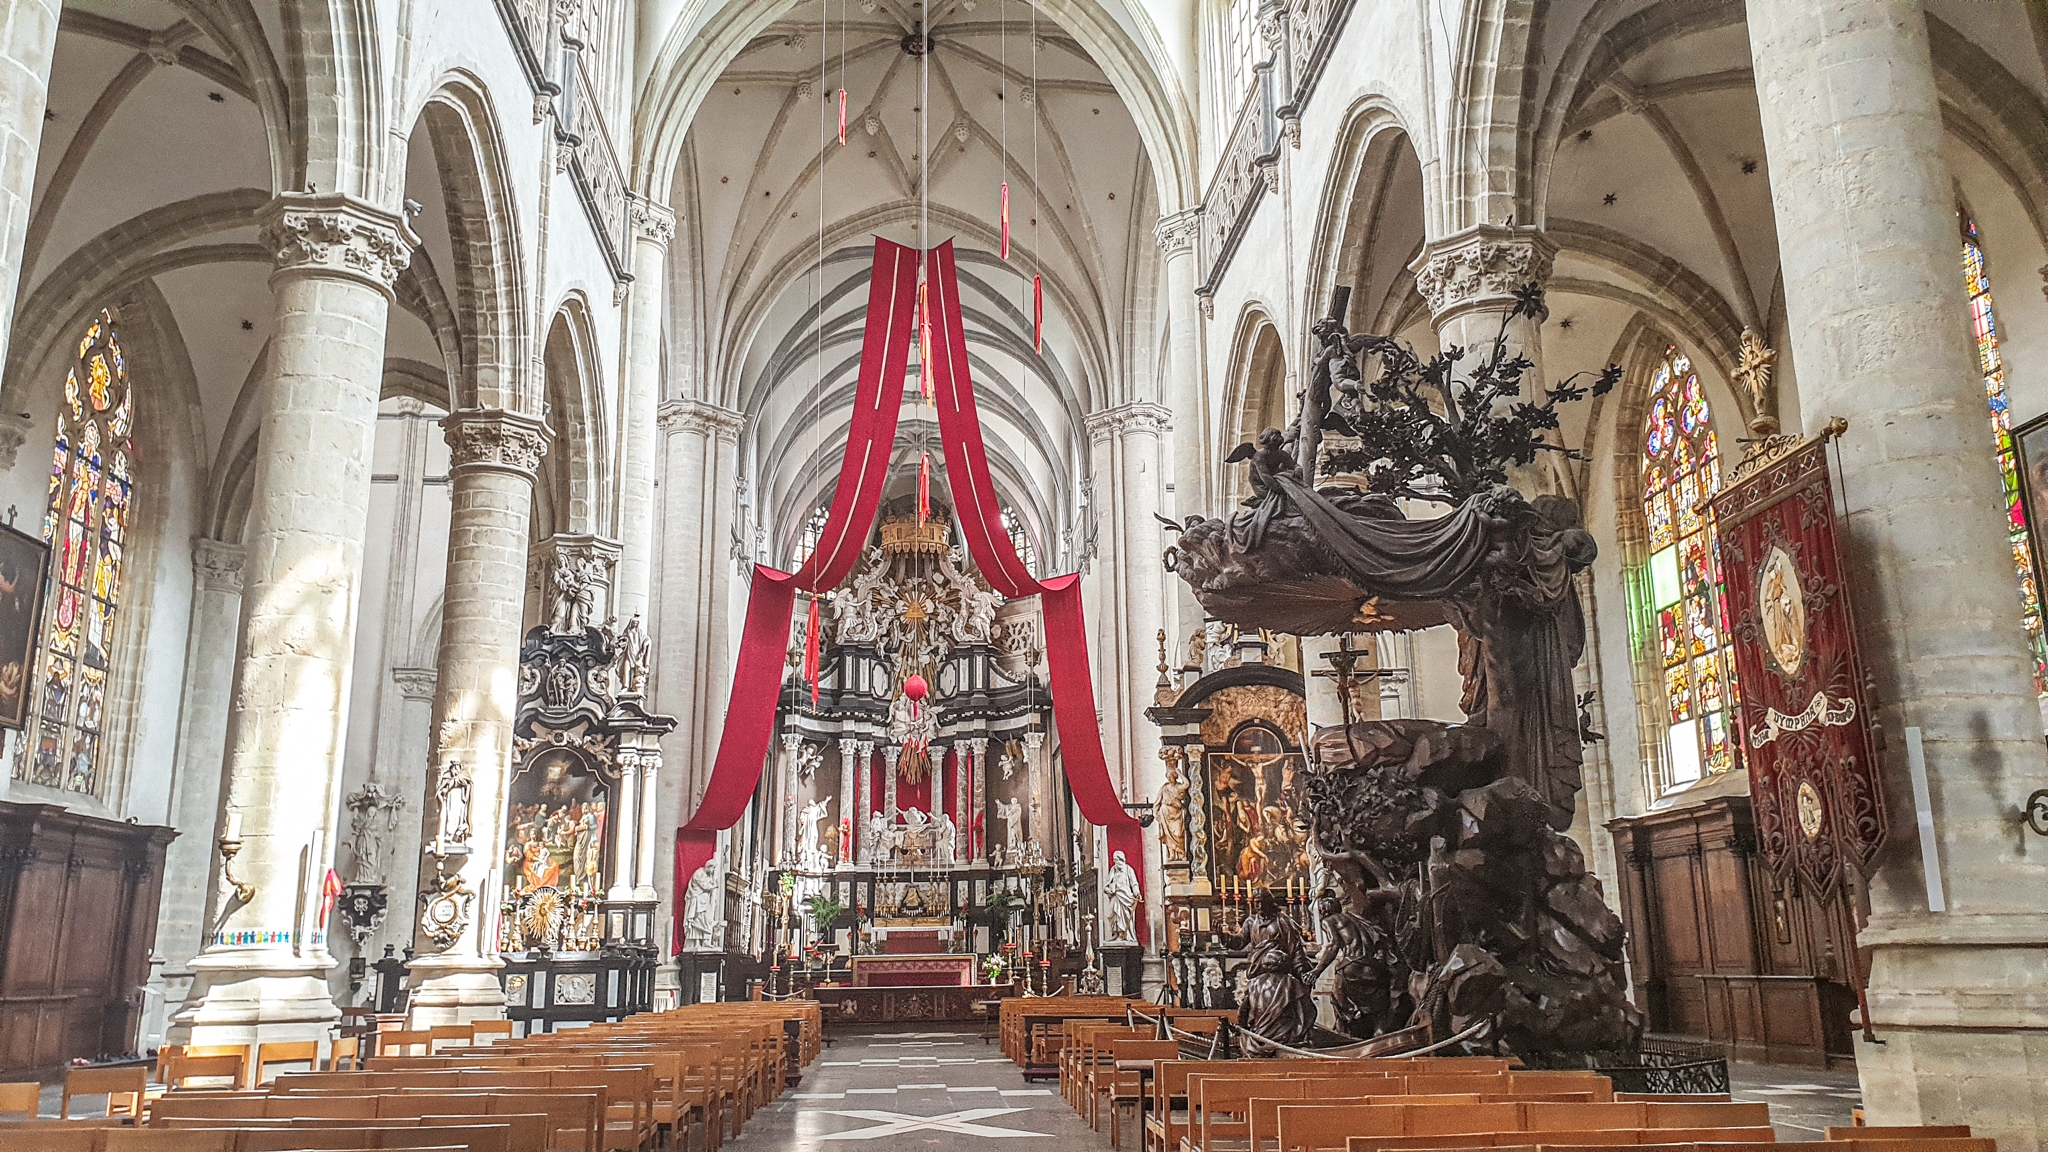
1119,1072
664,1080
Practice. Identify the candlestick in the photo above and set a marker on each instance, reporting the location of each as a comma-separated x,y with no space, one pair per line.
234,828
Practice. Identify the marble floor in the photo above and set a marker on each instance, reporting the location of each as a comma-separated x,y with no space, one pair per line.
949,1090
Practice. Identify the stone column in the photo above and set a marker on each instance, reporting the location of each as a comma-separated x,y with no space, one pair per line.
1187,392
977,774
938,762
28,42
1869,243
853,803
195,787
792,747
654,226
963,799
891,756
626,828
1036,776
1469,279
494,455
263,975
645,831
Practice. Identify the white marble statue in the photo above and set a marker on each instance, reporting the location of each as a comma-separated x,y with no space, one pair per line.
811,854
881,837
1011,813
1120,901
946,839
700,918
1173,814
1007,762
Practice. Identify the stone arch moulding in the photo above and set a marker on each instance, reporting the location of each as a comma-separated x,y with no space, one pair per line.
335,75
692,55
1255,331
483,229
584,447
1356,182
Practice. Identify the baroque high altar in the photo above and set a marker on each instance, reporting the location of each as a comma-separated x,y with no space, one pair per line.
875,782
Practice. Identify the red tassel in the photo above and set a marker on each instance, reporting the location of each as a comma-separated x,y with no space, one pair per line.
1038,313
811,651
842,117
924,487
1006,219
924,346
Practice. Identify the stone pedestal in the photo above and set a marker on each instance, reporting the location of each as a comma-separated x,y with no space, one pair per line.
1870,244
493,458
263,975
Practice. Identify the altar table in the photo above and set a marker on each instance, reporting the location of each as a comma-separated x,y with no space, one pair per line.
944,969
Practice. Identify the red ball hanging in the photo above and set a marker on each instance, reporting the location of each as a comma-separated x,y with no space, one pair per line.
915,687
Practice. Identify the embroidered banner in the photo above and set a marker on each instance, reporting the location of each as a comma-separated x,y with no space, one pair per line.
1804,716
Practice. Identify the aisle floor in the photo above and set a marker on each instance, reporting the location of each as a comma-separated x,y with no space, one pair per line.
946,1090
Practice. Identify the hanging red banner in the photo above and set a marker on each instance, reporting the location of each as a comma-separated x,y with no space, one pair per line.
771,601
980,517
1802,703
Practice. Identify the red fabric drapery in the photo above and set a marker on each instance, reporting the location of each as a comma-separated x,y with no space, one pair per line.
863,470
892,320
1066,632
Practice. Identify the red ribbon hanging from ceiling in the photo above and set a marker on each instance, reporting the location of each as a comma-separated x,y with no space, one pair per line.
771,602
1066,631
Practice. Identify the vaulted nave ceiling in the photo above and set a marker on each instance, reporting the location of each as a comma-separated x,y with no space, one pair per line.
748,198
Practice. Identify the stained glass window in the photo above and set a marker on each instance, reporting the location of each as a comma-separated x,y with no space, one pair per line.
87,527
1984,326
1682,468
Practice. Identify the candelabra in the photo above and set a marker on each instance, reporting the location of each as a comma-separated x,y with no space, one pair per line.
230,847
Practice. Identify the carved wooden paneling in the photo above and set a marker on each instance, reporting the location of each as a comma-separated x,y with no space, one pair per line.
78,904
1718,949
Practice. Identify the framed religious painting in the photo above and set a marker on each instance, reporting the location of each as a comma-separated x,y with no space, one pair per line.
24,564
2030,445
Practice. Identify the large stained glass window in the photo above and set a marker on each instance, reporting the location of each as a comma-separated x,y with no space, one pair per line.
1681,469
87,527
1984,325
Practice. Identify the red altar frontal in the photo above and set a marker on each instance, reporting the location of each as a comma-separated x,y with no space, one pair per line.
943,970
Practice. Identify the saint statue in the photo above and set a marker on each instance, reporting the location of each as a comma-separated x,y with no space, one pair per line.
811,850
1173,813
1011,813
1120,901
1278,1002
1368,993
700,923
452,787
946,839
634,653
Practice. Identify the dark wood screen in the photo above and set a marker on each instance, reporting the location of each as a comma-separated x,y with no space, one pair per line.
78,912
1718,949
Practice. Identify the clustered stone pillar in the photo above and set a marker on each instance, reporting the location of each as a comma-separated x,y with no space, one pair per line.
494,455
202,738
654,227
263,974
28,43
1870,248
1469,279
1177,234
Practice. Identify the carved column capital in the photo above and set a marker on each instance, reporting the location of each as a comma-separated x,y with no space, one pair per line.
1480,268
1177,232
655,223
702,417
978,745
892,754
415,683
217,565
335,235
495,439
1136,418
1032,742
791,741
